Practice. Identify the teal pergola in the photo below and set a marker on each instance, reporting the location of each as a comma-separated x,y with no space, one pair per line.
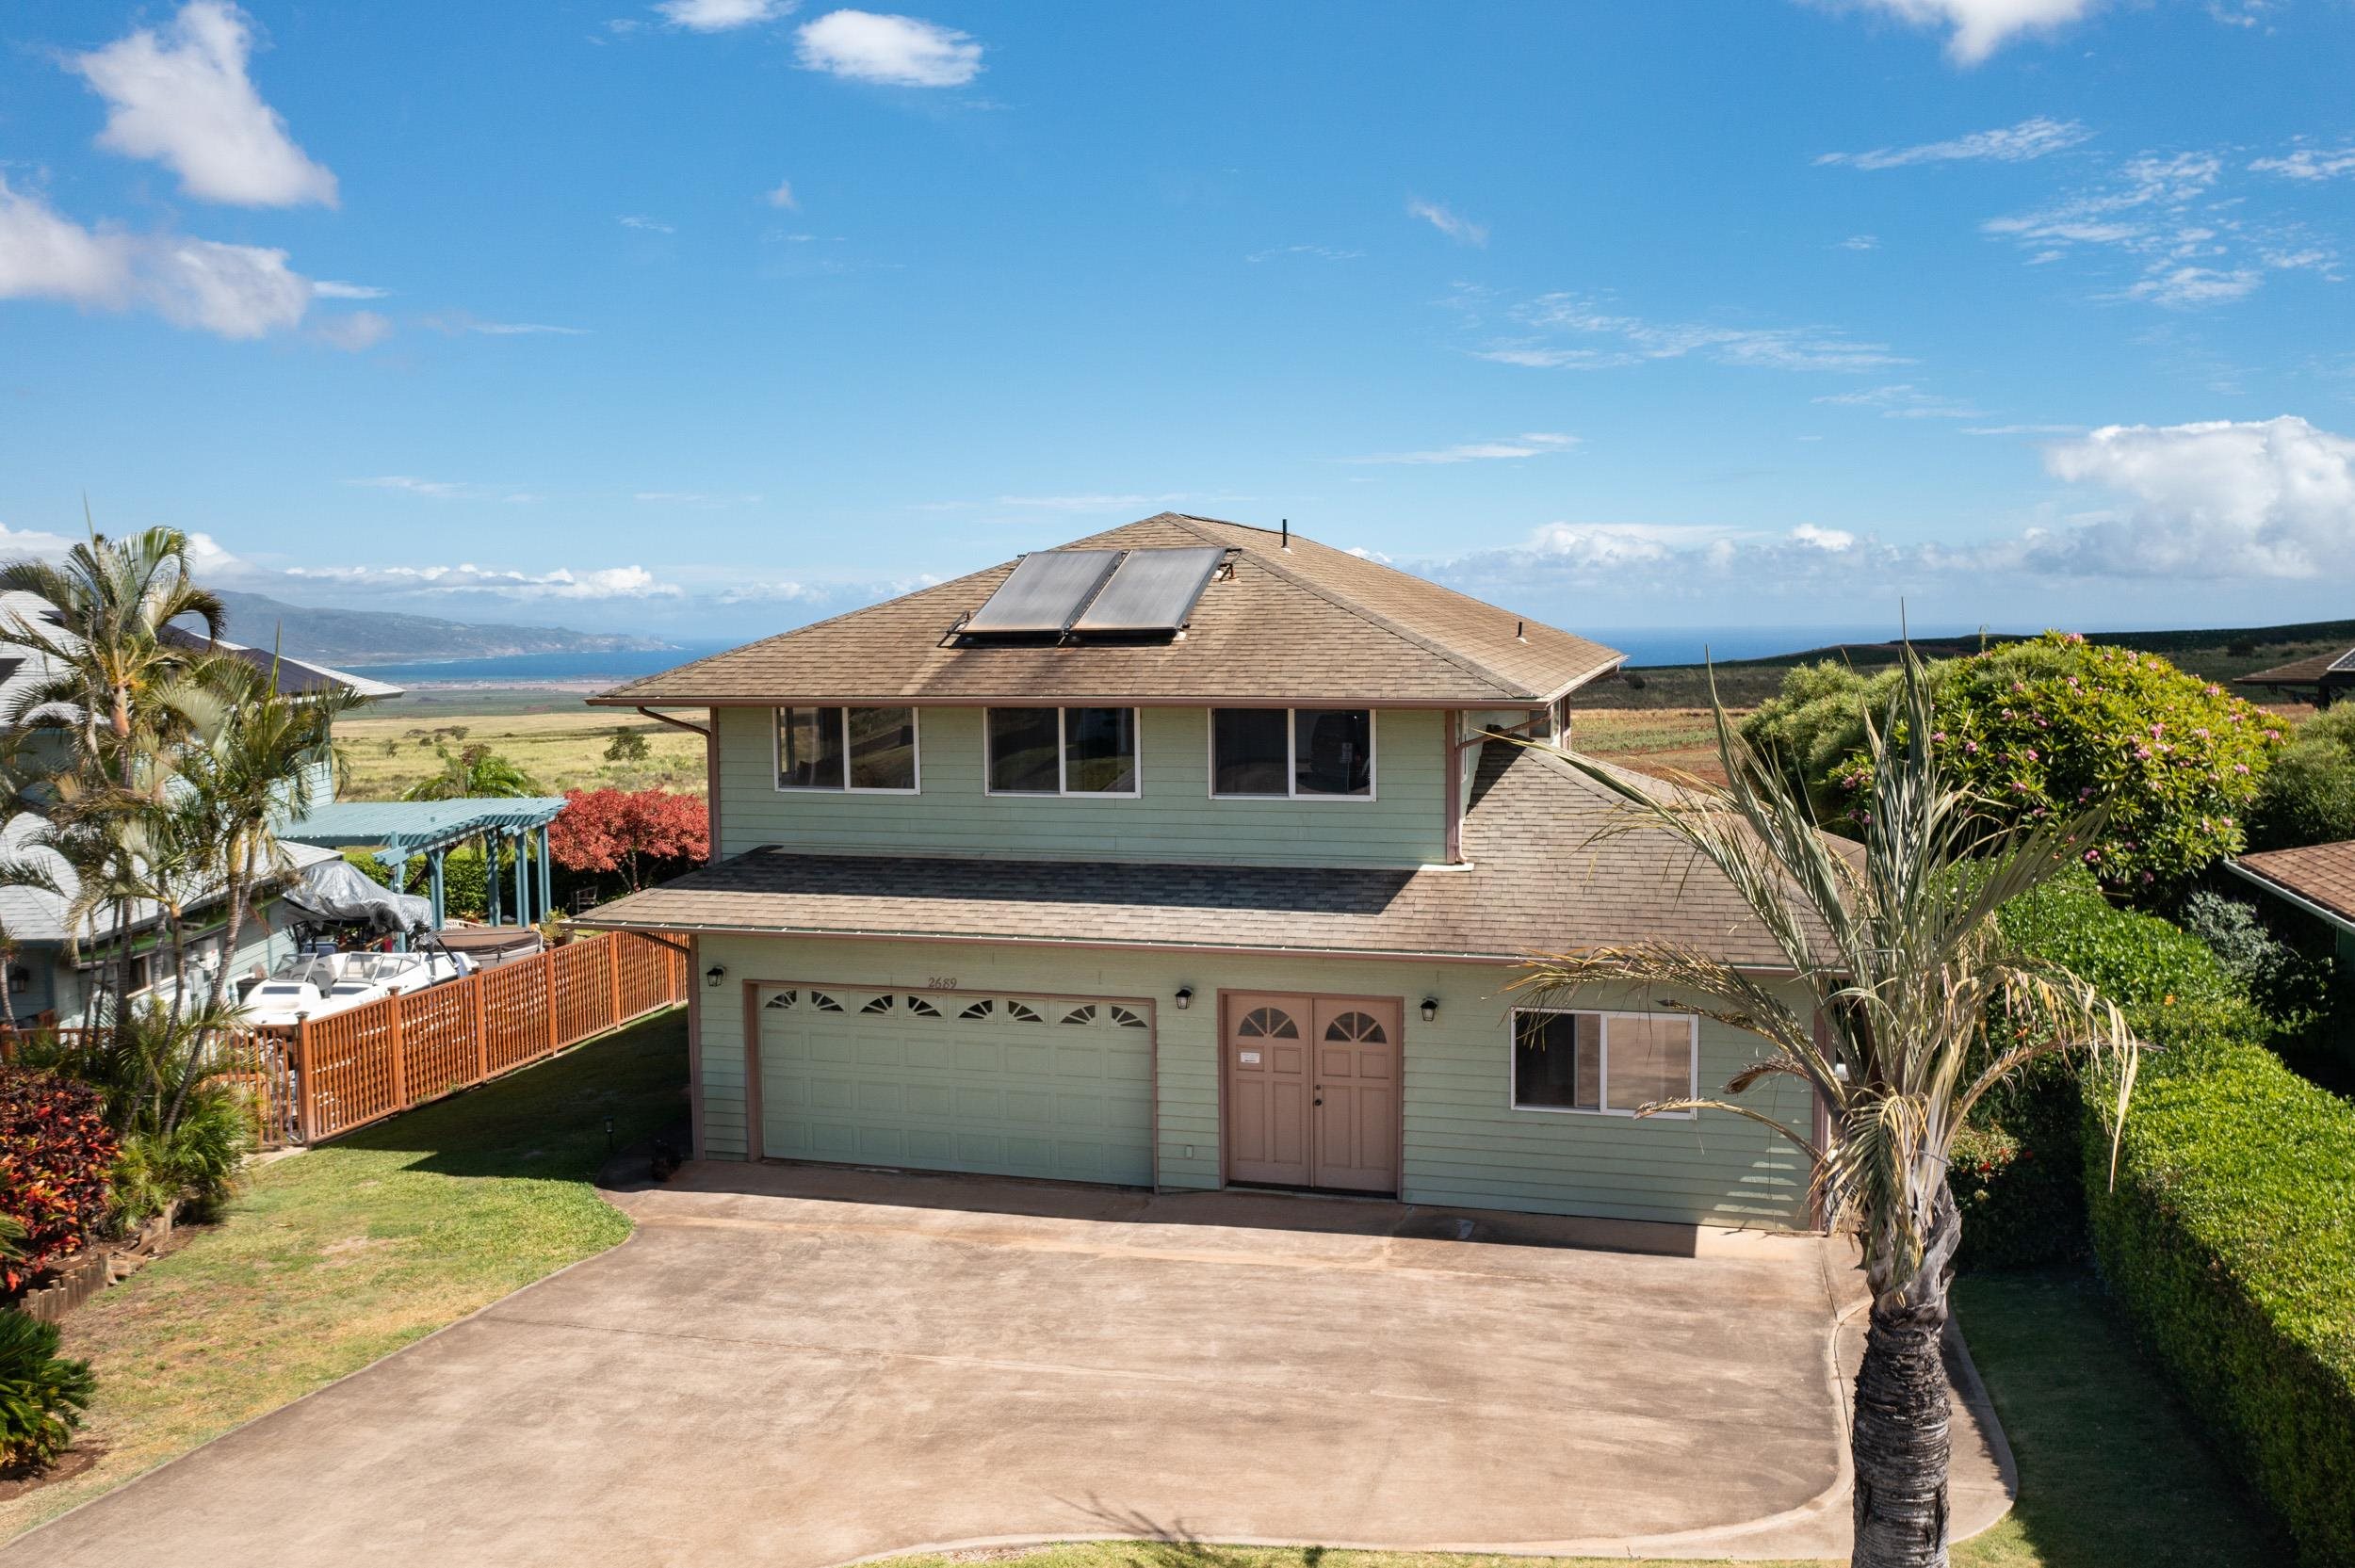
400,831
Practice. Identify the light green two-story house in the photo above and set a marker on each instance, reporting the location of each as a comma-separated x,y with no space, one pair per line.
1186,855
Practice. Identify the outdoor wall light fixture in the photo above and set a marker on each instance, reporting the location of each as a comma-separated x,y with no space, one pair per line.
1430,1010
715,974
1185,997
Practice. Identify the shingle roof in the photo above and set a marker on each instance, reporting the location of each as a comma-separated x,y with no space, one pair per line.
36,915
2305,672
2322,874
1540,880
1303,625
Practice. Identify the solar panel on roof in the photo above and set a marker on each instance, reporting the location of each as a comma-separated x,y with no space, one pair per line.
2343,663
1151,590
1045,590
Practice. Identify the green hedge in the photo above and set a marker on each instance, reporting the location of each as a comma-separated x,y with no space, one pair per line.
2228,1240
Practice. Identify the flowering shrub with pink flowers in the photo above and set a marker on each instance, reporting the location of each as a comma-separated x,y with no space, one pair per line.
2051,727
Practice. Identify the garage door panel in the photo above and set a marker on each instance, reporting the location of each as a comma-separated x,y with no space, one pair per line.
951,1084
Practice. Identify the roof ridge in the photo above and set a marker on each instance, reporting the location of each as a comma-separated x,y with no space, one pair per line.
1508,689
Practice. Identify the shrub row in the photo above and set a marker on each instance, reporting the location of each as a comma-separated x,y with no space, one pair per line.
2228,1239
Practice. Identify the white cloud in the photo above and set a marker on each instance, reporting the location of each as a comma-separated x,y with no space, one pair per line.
613,582
444,490
2196,286
1604,340
2194,243
1832,541
2031,139
2024,429
2309,163
1904,402
184,100
328,288
635,222
234,291
454,322
1533,445
1861,242
353,331
1321,252
2261,498
783,197
1456,227
1979,28
718,16
896,51
782,591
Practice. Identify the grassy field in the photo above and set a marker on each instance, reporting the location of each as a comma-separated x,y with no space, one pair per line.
387,750
335,1258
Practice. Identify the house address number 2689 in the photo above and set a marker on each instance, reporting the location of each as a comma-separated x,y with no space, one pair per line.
940,982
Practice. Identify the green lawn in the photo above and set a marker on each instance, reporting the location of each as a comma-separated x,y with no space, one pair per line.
333,1258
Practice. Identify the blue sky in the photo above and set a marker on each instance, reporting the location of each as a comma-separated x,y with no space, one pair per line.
709,318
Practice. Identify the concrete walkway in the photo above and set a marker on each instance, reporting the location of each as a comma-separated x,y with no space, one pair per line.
792,1366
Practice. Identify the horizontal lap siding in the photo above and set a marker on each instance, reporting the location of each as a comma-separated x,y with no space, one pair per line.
1173,818
1465,1144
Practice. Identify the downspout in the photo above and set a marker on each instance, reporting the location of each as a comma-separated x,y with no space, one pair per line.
710,732
1452,840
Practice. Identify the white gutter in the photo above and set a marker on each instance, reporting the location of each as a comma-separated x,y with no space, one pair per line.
2328,916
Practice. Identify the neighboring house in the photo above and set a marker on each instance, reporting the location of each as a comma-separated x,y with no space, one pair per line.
2320,680
2315,885
51,975
1209,862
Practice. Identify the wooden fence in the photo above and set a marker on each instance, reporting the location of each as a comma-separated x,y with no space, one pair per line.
326,1076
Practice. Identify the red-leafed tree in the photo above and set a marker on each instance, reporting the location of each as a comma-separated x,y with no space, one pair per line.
628,830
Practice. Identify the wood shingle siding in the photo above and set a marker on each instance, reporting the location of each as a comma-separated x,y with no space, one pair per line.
1173,818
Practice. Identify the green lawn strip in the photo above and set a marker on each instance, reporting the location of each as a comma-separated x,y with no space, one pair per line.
333,1258
2113,1470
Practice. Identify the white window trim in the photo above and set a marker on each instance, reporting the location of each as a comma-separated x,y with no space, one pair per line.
1512,1061
776,751
1063,789
1292,758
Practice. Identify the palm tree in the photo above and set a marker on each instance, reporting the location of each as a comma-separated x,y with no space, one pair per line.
475,772
253,765
119,682
114,669
1904,1006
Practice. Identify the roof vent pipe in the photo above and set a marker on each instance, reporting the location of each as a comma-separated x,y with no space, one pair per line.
1286,543
1521,631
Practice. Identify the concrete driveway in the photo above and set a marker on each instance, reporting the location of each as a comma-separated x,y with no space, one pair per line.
792,1366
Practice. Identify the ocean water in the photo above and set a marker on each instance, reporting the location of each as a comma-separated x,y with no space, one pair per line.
1644,644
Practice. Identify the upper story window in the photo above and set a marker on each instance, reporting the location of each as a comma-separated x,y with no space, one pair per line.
1063,751
1609,1062
1301,752
853,748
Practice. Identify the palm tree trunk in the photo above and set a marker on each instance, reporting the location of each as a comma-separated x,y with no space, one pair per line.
1901,1435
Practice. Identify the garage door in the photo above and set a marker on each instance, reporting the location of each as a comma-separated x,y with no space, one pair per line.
1015,1085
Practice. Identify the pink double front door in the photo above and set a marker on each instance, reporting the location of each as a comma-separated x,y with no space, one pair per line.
1311,1090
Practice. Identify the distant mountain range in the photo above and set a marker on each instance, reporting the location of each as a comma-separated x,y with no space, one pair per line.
359,638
